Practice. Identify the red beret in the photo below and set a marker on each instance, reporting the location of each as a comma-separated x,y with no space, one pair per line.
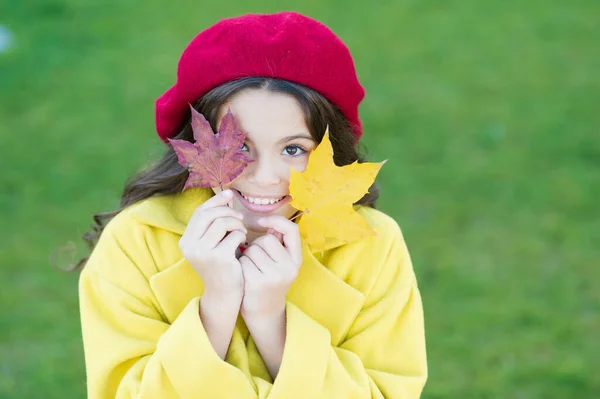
286,45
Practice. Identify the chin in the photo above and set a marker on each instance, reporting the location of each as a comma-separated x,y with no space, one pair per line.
255,227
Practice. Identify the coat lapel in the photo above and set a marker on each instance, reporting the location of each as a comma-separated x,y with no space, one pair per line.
175,286
319,292
325,297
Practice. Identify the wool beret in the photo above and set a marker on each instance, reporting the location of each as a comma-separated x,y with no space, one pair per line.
285,45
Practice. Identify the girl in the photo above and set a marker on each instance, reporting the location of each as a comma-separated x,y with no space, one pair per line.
170,309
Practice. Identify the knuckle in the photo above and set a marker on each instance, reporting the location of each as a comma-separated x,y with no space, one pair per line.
204,212
215,199
237,224
219,224
218,211
250,251
201,210
270,240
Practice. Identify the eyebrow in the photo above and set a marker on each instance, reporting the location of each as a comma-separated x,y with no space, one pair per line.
293,137
289,138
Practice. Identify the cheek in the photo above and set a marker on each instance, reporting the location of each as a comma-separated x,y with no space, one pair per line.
299,164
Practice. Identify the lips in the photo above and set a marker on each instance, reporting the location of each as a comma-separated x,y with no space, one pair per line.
261,201
261,204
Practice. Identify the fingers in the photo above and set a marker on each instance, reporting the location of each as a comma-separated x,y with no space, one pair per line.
219,228
199,226
223,198
259,257
273,247
200,222
232,241
264,254
290,232
204,216
249,269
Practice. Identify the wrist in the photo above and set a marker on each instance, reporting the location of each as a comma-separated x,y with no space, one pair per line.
273,316
221,302
218,317
269,332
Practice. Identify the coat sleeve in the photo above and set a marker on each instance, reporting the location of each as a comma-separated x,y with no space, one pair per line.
383,354
130,350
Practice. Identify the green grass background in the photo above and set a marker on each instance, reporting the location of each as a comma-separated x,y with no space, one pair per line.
489,112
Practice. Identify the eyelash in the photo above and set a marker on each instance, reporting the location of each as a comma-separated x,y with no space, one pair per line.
302,149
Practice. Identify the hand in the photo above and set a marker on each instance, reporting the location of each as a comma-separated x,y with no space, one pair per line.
209,242
270,265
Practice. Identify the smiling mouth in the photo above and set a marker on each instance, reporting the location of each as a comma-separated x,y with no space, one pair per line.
261,200
264,205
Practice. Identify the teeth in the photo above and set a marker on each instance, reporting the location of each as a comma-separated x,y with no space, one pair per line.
261,201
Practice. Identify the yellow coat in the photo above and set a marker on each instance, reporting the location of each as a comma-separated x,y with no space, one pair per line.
354,318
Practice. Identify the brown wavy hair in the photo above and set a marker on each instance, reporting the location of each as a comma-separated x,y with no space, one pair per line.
167,177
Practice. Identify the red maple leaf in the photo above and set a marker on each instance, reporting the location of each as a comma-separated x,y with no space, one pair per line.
214,159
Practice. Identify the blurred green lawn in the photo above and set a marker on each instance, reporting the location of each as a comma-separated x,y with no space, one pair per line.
489,112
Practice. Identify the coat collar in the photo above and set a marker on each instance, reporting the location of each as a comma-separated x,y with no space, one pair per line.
173,212
317,291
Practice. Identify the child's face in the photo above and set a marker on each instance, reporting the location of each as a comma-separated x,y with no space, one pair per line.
278,139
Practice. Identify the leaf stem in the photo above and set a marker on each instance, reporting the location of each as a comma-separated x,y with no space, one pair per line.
298,215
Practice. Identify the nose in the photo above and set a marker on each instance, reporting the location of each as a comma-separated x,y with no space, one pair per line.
264,172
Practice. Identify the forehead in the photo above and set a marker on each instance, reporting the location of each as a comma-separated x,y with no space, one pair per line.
266,116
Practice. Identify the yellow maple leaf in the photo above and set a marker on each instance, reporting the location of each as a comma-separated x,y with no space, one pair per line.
325,193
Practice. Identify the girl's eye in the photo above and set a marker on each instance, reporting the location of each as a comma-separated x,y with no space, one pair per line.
244,147
294,150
